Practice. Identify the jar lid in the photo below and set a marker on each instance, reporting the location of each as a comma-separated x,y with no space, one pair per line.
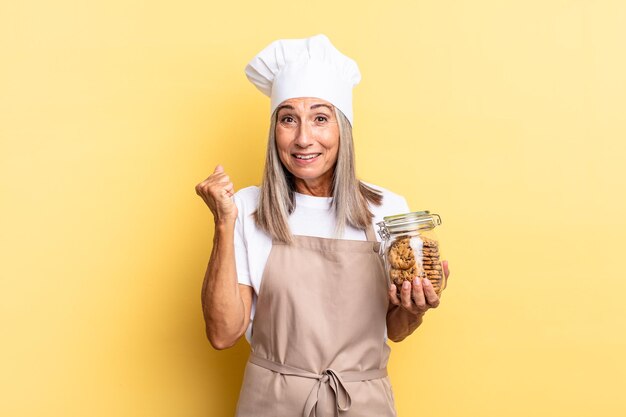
407,222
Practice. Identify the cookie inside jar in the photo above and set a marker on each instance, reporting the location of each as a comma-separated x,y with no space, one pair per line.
415,256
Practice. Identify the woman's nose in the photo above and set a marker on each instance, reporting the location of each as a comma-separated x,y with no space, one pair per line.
305,135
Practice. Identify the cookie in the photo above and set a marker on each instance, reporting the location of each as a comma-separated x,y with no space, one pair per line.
416,256
401,254
429,243
398,276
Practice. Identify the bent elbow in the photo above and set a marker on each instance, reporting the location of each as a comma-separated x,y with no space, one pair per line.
396,337
220,342
220,345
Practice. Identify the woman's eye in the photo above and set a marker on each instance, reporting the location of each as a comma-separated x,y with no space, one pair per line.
287,119
321,118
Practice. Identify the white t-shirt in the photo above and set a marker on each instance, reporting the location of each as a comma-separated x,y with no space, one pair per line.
311,217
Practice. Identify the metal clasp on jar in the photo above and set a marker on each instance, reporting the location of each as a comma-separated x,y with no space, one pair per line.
384,235
383,231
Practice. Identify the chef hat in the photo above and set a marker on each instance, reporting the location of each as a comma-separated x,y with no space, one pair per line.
310,67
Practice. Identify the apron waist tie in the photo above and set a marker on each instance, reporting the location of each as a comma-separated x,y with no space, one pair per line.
329,378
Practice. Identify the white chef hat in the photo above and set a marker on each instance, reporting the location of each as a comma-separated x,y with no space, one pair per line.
310,67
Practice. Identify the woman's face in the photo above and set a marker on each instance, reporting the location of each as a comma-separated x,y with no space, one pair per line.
307,138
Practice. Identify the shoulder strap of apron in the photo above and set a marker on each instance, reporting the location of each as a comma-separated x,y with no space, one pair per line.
371,237
369,233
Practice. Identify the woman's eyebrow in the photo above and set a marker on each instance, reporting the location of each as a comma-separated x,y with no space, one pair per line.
284,106
320,105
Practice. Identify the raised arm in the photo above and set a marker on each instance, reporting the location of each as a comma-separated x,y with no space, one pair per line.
226,304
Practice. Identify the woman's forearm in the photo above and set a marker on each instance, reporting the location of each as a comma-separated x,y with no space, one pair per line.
401,323
222,305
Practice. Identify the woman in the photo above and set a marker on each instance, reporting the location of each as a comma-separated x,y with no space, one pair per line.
294,265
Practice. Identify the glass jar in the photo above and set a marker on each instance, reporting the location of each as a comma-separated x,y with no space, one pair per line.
410,249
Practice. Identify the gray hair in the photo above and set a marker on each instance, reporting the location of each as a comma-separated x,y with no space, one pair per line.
351,197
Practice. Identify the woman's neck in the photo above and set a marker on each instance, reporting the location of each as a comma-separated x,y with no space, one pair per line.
319,187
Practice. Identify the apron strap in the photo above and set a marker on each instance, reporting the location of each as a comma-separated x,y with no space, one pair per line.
371,237
329,378
370,234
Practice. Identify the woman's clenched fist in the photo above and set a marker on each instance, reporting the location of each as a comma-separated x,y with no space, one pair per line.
217,192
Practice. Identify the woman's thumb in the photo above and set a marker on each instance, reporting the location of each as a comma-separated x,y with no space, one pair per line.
218,169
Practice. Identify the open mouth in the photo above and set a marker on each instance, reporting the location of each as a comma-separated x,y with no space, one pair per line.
305,157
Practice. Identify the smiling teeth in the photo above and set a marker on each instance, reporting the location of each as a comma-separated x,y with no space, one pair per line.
306,156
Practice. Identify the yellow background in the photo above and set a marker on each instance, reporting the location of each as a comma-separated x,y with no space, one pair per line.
505,117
